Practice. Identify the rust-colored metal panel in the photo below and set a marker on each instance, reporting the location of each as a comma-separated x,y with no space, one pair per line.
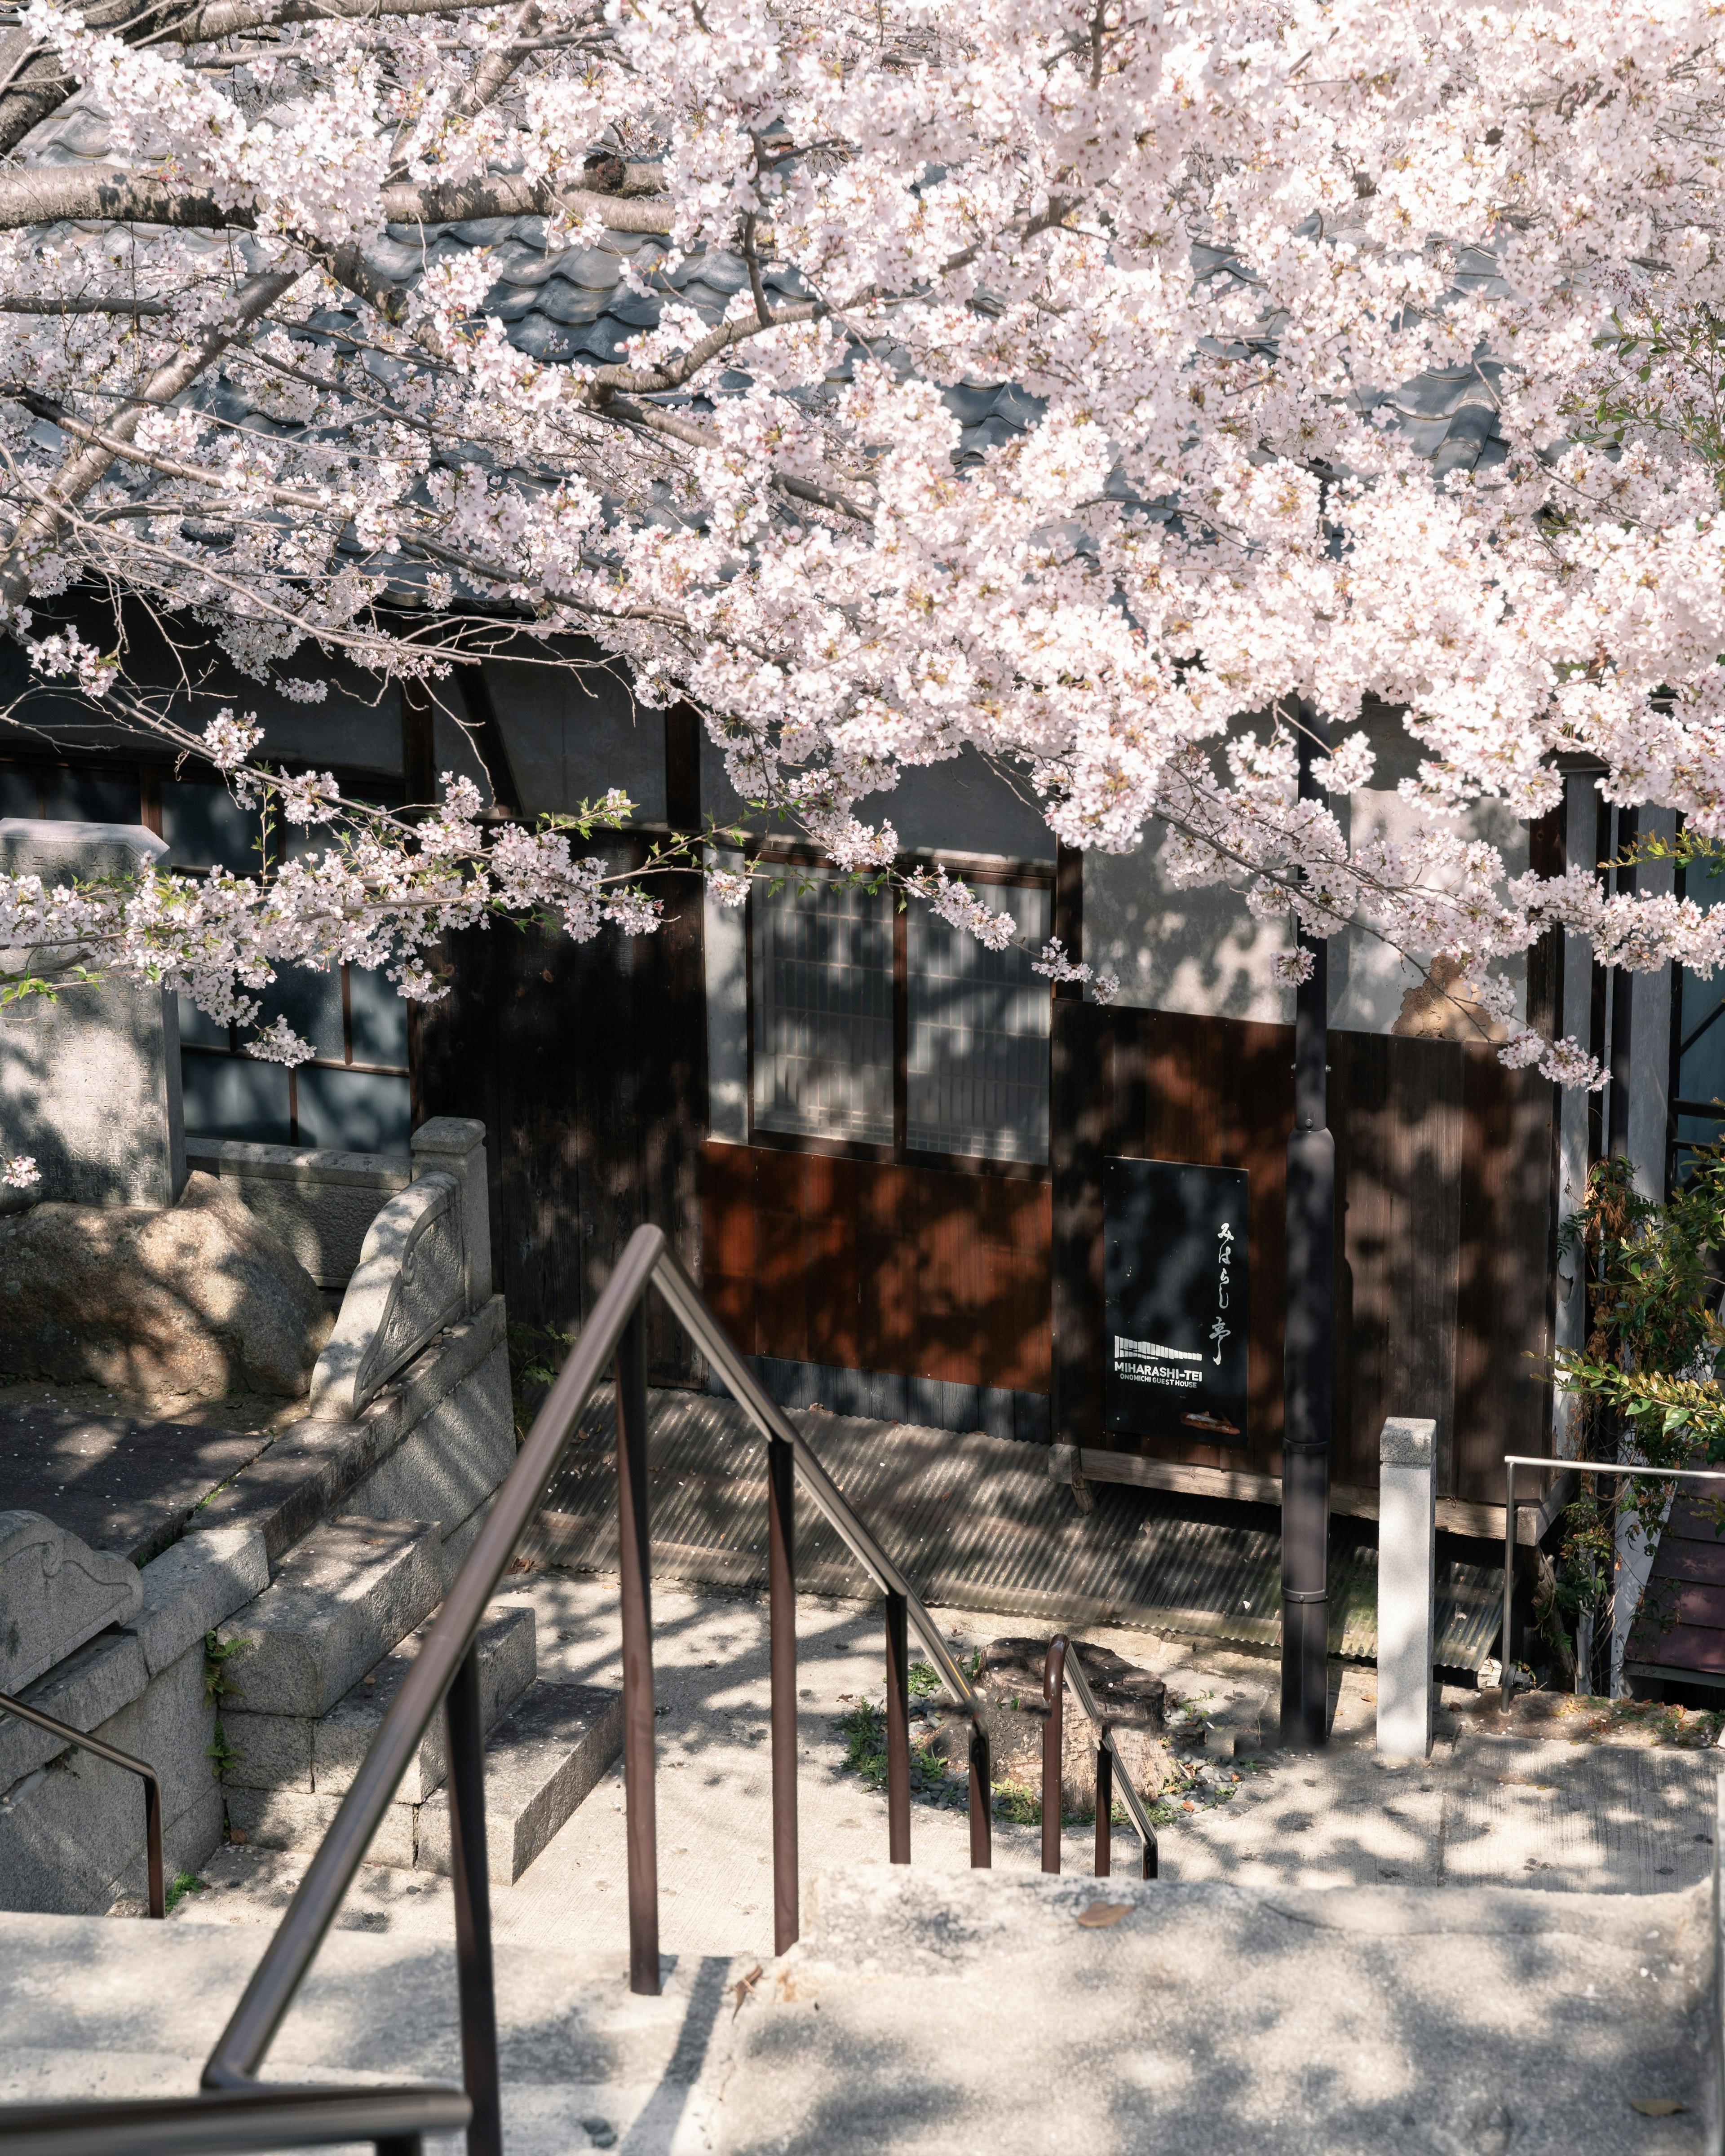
1016,1225
728,1239
886,1233
952,1297
781,1269
830,1279
862,1265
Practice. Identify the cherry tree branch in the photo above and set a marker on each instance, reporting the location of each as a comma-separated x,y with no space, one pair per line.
40,526
44,194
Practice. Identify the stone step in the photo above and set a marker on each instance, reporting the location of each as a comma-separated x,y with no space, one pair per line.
91,2008
540,1765
339,1602
1024,2015
286,1782
540,1762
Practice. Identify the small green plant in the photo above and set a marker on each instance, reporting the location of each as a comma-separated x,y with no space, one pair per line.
1646,1379
219,1656
186,1882
219,1683
864,1731
922,1679
1014,1802
536,1354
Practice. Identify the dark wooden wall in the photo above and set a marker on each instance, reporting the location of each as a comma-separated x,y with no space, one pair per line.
866,1266
1444,1194
587,1063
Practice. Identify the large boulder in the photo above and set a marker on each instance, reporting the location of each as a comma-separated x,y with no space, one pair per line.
199,1298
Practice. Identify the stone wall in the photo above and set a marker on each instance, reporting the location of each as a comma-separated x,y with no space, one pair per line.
320,1202
394,1472
72,1825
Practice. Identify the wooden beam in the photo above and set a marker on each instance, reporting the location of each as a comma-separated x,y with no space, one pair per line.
1483,1522
1069,914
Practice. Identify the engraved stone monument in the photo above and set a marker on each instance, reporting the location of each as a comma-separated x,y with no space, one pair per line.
55,1593
90,1083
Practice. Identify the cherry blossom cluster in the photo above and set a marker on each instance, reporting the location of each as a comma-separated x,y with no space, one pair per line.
381,897
1238,269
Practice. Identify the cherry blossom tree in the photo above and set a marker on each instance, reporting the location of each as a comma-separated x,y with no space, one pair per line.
1206,240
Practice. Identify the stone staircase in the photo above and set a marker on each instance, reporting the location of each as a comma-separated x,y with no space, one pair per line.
320,1656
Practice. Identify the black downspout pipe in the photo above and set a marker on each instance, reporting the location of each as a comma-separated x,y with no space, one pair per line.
1309,1338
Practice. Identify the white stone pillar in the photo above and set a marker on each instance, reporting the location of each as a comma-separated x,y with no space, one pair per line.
1407,1583
457,1145
90,1083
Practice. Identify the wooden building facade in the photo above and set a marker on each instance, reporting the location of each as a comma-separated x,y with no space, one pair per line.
934,1251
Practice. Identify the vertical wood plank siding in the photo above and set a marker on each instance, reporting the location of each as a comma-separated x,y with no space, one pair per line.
1444,1195
587,1063
866,1266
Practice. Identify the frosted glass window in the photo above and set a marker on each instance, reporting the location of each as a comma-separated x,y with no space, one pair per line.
978,1074
823,996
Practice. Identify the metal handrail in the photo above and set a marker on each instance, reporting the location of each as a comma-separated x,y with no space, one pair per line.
233,2120
157,1886
446,1671
614,1330
1061,1666
1511,1460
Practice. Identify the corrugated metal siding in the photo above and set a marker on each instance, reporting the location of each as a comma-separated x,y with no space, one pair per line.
977,1523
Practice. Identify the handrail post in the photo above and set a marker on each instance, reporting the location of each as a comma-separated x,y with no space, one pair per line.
898,1731
781,1624
157,1886
1104,1809
83,1742
635,1556
464,1721
1509,1552
1053,1735
982,1800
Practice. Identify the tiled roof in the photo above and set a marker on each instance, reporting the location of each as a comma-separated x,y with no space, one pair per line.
562,304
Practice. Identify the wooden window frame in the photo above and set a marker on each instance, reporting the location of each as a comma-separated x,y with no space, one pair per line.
766,855
352,780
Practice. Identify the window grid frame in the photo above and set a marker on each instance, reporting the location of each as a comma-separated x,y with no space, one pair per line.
353,780
974,869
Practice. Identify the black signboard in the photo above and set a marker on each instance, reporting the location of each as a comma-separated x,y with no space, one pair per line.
1177,1307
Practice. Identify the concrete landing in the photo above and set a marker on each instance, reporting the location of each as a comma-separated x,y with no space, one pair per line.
944,2011
1483,1810
1620,1821
94,2008
977,1523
